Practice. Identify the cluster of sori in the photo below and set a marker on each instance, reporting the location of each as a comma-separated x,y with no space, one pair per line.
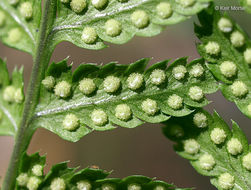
228,68
111,85
12,94
113,27
204,160
33,179
163,8
15,34
134,83
25,9
195,92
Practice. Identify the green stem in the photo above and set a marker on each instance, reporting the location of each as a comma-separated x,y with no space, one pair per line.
41,59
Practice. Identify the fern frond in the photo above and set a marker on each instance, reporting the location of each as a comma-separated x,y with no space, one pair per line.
213,149
19,23
99,97
227,49
11,99
90,23
60,177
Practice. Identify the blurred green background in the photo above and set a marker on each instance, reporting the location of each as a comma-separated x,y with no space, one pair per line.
143,150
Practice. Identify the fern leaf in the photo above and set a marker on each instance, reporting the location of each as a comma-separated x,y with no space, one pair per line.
11,99
213,149
228,51
90,23
19,23
61,177
99,97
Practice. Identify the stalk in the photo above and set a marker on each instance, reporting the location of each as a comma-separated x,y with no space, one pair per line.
41,60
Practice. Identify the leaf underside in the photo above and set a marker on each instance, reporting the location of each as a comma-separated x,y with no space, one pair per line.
209,31
92,175
224,161
69,25
25,40
10,112
52,110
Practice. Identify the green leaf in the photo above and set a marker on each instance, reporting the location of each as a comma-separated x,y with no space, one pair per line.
70,178
52,110
69,25
11,99
246,4
215,154
232,65
16,30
